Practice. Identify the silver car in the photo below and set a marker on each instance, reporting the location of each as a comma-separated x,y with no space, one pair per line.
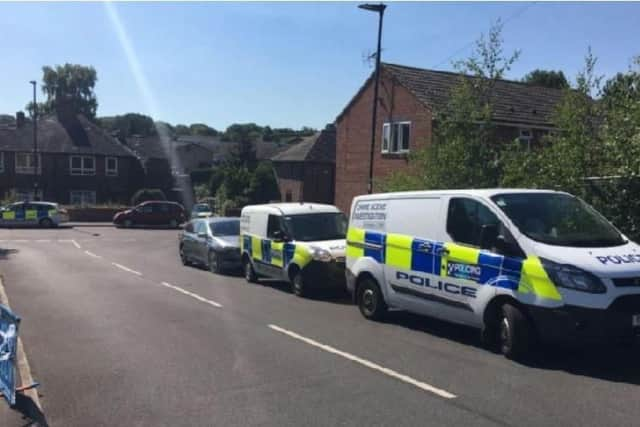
211,242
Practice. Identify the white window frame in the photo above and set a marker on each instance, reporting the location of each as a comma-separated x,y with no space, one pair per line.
525,139
82,170
389,130
82,197
28,170
1,162
110,172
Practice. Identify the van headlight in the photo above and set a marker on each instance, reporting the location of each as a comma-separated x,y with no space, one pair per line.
320,254
570,277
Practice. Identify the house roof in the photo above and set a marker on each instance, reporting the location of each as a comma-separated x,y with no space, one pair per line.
513,102
319,147
75,136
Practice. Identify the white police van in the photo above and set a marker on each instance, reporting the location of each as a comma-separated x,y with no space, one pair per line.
518,264
301,243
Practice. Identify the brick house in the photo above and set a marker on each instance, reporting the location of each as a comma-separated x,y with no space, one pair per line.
305,172
78,163
408,105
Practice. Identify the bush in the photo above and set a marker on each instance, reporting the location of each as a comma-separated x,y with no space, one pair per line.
145,194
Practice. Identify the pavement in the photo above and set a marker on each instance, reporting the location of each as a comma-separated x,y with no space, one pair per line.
119,332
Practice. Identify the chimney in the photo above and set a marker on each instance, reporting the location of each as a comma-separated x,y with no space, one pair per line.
20,120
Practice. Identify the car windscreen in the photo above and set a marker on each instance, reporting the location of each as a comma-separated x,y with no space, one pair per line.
558,219
225,228
201,208
316,227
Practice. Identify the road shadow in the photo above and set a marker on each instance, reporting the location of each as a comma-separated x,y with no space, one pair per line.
609,362
333,296
30,412
4,253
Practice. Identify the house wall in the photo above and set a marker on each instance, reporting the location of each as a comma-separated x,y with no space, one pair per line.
353,138
305,181
56,182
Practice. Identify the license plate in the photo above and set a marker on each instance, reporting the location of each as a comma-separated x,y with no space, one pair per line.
635,320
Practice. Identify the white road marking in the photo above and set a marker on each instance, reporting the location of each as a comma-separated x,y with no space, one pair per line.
76,244
191,294
91,254
20,241
390,372
43,240
65,240
127,269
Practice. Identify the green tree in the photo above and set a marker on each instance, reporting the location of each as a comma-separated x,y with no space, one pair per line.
263,187
181,130
72,83
129,124
202,129
465,152
547,78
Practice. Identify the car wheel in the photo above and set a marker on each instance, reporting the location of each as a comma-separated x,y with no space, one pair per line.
46,223
370,300
514,333
298,286
183,257
249,272
173,224
214,263
128,223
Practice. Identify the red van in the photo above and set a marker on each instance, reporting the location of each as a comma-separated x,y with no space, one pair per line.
152,213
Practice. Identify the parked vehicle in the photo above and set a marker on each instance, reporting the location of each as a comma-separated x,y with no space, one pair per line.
151,213
211,242
201,210
300,243
39,214
517,264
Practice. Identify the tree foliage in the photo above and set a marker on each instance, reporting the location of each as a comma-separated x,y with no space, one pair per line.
129,124
72,83
146,194
547,78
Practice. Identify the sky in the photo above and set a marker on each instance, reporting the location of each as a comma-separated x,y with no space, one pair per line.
284,64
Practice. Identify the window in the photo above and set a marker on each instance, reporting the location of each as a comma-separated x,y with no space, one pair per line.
27,163
395,137
274,224
1,162
148,208
111,166
316,227
525,137
201,227
189,228
466,218
82,165
288,196
225,228
82,197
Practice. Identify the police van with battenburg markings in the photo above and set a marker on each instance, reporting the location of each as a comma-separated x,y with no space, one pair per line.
38,214
520,265
301,243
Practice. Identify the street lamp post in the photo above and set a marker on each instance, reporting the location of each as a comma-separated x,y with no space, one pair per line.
36,164
379,8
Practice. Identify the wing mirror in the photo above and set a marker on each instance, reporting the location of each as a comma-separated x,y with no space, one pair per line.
280,236
489,237
203,235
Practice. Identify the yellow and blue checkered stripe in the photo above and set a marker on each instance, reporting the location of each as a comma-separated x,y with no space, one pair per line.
278,254
28,214
432,257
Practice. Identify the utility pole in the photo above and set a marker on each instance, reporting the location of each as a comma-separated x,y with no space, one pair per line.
379,8
36,163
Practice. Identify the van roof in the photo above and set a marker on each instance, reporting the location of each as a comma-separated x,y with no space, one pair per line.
291,208
484,192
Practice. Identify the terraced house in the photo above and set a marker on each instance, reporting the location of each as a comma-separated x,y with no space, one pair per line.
76,163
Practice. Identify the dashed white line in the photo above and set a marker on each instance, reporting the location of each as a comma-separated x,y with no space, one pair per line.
43,240
76,244
389,372
191,294
20,241
127,269
91,254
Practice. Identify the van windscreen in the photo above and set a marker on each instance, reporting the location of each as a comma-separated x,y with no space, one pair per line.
316,227
558,219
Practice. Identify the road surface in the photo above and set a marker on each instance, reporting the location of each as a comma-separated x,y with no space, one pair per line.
119,332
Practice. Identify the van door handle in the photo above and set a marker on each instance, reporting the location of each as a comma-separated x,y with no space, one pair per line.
442,252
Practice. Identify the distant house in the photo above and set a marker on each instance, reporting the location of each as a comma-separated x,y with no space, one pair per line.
77,162
305,171
153,153
409,102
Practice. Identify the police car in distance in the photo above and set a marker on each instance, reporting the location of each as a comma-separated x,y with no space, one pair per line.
518,264
300,243
33,214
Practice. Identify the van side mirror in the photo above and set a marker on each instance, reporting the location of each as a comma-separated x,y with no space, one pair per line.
280,236
202,235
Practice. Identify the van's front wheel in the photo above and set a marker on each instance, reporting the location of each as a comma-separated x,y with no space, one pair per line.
514,333
370,300
249,272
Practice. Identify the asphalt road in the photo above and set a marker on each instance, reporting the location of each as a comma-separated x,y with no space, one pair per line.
118,333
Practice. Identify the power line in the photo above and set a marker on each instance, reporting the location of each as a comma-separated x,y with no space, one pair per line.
510,18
